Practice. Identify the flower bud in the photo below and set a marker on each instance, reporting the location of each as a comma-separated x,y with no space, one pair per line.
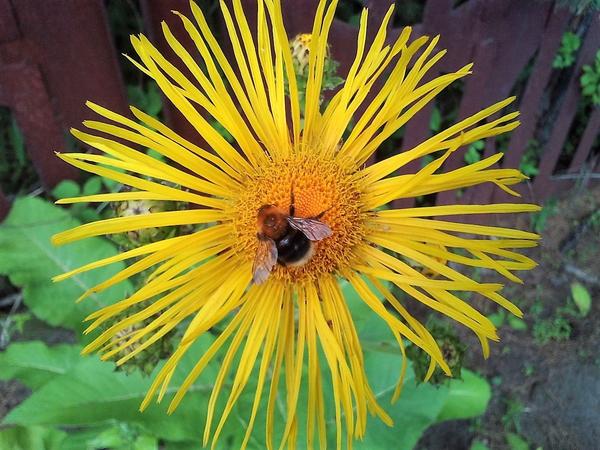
300,53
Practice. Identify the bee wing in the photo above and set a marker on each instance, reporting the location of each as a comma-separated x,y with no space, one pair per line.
265,259
312,228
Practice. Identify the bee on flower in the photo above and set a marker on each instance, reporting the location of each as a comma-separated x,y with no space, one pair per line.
288,174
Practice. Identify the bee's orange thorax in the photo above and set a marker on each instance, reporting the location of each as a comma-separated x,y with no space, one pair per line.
272,222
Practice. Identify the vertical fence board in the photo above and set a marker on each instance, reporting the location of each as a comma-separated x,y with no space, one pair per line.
8,25
32,110
529,104
587,141
74,49
543,185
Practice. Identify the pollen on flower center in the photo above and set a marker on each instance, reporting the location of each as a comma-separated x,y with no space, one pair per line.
319,185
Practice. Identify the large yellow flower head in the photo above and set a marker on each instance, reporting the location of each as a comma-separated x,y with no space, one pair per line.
282,148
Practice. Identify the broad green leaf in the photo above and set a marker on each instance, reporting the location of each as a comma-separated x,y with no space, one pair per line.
34,364
581,297
30,260
31,438
92,186
110,185
66,188
467,398
145,442
80,439
181,445
93,394
109,438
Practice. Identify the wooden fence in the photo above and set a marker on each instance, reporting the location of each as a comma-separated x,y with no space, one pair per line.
56,54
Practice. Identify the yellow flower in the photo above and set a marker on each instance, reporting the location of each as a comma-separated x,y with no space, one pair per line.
299,315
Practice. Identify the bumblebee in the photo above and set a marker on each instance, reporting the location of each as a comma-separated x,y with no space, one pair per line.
285,239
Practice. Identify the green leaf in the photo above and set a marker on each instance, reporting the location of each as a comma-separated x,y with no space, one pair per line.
565,57
92,186
80,439
30,260
110,185
92,394
473,153
516,442
34,364
498,318
154,154
169,445
31,438
109,438
467,398
153,100
478,445
435,122
581,297
145,442
516,324
66,188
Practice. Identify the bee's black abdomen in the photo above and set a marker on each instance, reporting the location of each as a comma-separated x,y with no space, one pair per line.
293,247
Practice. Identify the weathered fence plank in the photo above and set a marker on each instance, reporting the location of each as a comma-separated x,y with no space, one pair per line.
585,144
61,56
23,86
543,185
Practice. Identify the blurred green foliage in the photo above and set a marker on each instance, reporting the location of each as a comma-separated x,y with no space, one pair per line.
539,219
474,152
590,81
565,57
16,171
452,349
146,97
530,161
555,328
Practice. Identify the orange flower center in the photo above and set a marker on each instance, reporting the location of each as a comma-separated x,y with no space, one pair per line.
318,186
